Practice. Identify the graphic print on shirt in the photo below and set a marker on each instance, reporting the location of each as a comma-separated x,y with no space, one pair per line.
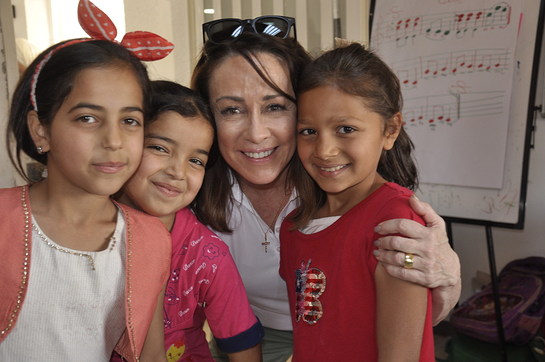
309,286
193,260
175,351
211,251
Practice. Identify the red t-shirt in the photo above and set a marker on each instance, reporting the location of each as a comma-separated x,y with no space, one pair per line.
331,286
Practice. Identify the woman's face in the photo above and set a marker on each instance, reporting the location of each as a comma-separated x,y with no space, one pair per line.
255,124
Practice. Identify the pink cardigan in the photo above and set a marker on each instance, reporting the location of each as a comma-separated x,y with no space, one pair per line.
147,267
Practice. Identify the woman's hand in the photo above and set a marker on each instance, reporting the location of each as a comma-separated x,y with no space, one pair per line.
435,265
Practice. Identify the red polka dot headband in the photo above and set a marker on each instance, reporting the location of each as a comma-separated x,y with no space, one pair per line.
142,44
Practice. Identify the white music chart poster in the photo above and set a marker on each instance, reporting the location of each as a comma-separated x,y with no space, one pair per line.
455,62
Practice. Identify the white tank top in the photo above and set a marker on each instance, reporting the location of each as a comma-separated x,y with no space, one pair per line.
70,312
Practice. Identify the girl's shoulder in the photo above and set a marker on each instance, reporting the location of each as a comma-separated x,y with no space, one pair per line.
389,195
397,191
12,192
149,230
139,217
394,203
189,233
385,195
13,201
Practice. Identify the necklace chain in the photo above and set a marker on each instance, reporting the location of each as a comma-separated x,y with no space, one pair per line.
265,232
259,219
89,257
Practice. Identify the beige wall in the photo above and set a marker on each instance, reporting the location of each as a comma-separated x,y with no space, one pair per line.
8,79
180,22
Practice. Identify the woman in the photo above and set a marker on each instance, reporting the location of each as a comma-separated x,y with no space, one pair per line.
249,80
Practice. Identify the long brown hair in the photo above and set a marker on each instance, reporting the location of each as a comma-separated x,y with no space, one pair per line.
212,202
359,72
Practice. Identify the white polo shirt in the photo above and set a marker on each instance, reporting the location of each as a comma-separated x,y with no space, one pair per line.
259,269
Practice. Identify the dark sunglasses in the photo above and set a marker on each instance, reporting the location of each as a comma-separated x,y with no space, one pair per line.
225,30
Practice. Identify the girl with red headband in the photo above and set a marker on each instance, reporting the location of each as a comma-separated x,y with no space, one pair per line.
72,277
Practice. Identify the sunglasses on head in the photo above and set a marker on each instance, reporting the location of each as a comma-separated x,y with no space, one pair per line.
226,30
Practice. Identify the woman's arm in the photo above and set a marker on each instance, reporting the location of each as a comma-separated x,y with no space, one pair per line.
436,265
252,354
154,346
401,314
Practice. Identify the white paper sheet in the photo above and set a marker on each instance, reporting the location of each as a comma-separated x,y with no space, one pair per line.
455,63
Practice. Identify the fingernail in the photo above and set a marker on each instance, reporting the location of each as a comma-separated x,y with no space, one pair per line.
377,243
376,253
378,228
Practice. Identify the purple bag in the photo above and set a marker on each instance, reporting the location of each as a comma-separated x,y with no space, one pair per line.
522,299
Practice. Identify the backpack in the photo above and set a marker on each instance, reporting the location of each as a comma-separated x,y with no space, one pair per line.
522,298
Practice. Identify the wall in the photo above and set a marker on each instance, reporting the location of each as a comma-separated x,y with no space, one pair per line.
32,21
8,79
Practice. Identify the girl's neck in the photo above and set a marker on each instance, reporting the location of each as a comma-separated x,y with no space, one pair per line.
167,220
340,203
69,205
77,220
267,200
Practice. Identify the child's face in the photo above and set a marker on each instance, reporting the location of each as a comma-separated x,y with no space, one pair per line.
173,163
94,142
340,141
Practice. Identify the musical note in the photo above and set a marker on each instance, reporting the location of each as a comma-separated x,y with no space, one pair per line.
407,78
411,71
497,16
438,26
438,29
447,110
406,29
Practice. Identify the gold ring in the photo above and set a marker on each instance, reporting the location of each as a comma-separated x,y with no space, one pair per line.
409,261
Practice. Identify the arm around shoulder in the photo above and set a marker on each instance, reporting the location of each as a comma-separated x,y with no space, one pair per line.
436,265
445,299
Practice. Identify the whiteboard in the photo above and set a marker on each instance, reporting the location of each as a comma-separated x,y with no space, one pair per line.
471,171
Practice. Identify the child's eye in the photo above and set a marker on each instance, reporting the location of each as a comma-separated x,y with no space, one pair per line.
131,122
198,162
87,119
157,148
307,132
346,129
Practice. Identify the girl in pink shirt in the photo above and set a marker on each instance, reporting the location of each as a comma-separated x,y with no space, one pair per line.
204,283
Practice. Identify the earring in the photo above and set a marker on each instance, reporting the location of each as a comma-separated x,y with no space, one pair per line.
40,150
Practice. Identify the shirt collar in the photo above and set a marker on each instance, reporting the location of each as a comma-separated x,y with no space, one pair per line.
241,199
